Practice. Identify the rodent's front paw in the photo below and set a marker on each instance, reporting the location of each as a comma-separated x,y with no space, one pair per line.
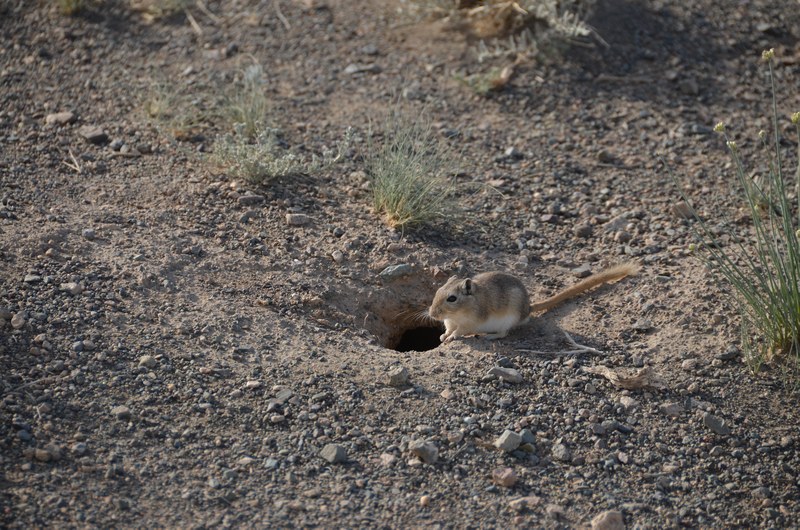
445,338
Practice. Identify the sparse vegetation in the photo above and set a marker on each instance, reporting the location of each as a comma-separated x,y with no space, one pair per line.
263,158
484,83
763,266
512,29
246,103
258,160
181,115
154,10
71,7
411,174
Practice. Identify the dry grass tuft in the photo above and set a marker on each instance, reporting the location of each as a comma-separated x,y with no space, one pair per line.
411,174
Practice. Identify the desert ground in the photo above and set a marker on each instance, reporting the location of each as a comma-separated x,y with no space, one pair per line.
183,348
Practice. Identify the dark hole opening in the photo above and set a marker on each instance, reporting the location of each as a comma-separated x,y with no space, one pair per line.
423,338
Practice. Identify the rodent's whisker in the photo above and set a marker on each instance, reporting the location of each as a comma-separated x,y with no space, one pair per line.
422,316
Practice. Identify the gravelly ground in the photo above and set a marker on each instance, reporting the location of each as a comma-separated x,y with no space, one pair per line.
175,355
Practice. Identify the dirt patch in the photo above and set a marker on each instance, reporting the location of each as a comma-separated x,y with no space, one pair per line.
175,353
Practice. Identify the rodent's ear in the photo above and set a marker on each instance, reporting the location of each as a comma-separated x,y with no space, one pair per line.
468,286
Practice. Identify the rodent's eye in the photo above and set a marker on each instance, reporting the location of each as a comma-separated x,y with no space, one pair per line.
452,298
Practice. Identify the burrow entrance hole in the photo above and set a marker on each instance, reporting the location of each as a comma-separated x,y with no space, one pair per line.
396,315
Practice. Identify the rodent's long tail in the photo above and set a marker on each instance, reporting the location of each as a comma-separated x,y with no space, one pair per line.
610,274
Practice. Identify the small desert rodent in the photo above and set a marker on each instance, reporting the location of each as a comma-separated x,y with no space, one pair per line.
492,303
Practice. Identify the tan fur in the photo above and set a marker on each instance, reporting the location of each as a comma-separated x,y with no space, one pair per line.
617,272
492,303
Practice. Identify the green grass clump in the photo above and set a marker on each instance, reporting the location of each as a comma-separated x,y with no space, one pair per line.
247,103
71,7
255,161
180,114
764,272
484,83
411,174
262,158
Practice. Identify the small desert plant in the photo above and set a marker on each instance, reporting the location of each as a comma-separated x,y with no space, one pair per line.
258,160
262,158
765,275
484,83
411,174
506,28
246,103
157,9
176,111
71,7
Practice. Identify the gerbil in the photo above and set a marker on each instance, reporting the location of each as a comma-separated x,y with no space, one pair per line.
492,303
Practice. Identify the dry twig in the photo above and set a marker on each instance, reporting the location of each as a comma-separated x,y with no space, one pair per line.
578,348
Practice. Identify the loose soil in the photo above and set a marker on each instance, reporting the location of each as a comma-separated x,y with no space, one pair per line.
173,353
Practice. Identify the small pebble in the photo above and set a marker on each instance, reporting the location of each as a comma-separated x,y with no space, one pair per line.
297,219
397,376
523,503
510,375
622,236
356,68
18,320
333,453
582,230
731,353
93,134
59,118
250,199
147,361
425,451
508,441
527,436
549,218
561,453
583,271
121,412
72,288
505,477
690,364
628,402
682,210
393,272
716,424
608,520
672,409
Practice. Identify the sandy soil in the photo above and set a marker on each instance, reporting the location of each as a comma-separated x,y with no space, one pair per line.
174,353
